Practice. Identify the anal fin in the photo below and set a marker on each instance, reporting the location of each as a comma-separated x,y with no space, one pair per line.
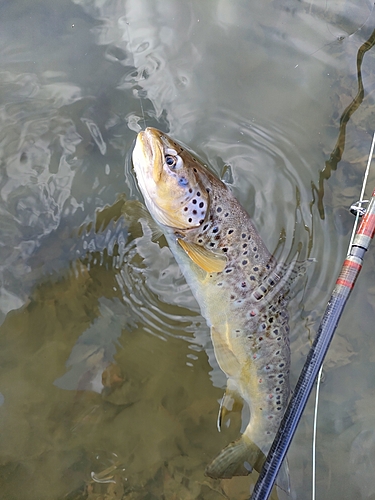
231,401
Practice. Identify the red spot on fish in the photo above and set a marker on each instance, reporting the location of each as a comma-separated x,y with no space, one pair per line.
253,313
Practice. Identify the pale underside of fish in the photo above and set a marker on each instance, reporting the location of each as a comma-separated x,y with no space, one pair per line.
241,290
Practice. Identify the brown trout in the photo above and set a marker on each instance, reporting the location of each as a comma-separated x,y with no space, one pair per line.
241,290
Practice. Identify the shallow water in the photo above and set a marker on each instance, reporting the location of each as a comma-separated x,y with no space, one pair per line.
107,371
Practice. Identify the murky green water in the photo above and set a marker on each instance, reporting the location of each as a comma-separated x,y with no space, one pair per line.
107,371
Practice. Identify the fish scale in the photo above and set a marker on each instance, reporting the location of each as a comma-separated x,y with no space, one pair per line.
241,289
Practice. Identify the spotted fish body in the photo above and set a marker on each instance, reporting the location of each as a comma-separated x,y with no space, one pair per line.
240,288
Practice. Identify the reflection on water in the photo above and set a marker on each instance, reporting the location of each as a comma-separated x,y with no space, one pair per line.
108,383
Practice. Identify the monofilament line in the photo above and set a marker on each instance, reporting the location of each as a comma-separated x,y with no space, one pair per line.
132,53
321,368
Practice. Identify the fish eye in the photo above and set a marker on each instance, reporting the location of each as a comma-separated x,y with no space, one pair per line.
170,160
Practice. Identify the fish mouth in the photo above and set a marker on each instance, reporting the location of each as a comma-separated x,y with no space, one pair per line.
149,143
148,161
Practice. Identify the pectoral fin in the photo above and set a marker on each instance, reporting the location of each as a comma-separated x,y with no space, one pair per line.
207,260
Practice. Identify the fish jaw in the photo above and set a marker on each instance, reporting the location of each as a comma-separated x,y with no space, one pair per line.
170,180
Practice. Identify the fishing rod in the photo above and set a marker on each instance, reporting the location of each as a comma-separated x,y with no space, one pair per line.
344,285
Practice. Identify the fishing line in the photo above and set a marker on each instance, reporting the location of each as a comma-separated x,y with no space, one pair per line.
138,76
338,38
357,208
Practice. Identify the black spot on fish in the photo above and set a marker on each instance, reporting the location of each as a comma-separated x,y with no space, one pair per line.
190,219
212,244
219,209
281,365
228,270
277,389
260,340
195,170
278,408
208,190
252,278
243,284
244,262
201,204
280,375
243,235
256,269
194,201
232,297
215,230
255,249
194,212
220,284
200,240
201,221
185,209
225,250
244,245
256,256
199,193
230,231
270,320
226,214
205,227
245,252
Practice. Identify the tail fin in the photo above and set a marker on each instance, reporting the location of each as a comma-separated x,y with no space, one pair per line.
237,459
240,458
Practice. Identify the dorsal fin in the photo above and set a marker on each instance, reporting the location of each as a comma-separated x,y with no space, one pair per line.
207,260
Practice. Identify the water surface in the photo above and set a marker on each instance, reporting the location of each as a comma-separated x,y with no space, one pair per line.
108,383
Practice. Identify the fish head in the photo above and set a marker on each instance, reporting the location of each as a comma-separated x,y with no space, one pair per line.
171,180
